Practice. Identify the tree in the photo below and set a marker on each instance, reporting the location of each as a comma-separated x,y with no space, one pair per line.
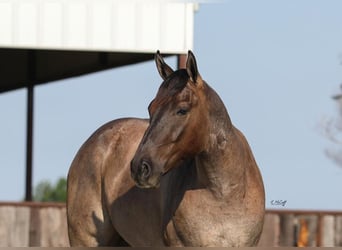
333,131
44,191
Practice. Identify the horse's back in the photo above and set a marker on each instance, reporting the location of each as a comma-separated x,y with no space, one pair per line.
105,155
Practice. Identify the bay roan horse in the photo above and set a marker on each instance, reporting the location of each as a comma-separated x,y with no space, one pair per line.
185,177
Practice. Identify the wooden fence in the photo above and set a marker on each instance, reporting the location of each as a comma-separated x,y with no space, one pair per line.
302,228
44,224
33,224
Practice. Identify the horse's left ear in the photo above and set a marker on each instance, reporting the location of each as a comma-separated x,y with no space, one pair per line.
191,67
163,69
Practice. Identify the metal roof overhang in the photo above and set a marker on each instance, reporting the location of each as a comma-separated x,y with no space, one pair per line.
43,41
24,67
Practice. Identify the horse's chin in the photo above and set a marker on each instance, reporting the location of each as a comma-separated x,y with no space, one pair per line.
148,184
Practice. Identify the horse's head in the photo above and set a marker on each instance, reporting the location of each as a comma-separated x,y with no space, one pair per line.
178,123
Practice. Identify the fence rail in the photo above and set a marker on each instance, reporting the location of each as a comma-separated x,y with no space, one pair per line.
44,224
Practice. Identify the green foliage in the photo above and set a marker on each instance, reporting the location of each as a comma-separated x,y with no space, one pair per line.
45,191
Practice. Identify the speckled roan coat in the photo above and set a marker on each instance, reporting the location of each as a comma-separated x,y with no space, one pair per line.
185,177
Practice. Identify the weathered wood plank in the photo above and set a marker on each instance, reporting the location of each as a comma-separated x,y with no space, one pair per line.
7,215
313,229
14,226
35,232
21,225
328,231
338,230
271,230
287,230
53,227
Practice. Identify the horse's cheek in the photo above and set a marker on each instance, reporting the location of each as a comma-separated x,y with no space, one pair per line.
176,133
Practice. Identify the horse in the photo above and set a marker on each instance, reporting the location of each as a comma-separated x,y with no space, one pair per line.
184,177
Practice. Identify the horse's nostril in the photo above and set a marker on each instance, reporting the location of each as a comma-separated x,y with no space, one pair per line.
145,169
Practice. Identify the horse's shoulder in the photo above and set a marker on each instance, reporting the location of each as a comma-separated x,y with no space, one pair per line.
107,136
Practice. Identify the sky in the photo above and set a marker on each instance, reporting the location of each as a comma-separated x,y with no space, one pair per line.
275,64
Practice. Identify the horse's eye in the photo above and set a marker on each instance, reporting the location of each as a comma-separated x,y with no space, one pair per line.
182,112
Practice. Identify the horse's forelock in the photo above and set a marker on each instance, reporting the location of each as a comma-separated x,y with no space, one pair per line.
175,82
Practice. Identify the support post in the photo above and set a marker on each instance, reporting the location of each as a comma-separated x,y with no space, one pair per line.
29,142
31,75
181,61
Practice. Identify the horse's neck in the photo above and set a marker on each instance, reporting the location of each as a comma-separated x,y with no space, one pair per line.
221,167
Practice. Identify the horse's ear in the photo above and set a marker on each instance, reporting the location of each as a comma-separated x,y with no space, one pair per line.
191,67
163,69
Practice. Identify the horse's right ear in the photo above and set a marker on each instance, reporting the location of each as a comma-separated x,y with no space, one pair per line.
163,69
